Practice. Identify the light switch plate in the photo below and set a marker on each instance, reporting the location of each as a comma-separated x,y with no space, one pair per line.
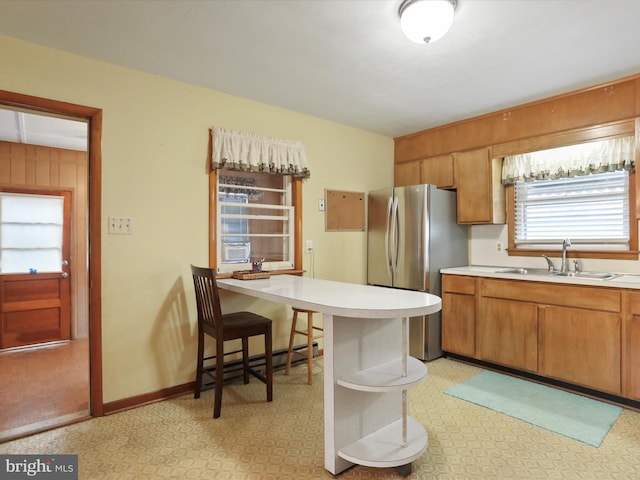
120,226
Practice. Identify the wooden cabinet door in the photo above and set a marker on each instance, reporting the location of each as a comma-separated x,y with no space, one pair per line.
438,171
406,174
581,347
459,324
481,197
508,333
473,181
631,367
631,348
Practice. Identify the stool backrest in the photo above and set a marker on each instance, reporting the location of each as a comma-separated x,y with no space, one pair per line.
207,297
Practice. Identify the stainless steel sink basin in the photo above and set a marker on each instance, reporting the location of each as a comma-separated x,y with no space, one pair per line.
544,271
592,275
524,271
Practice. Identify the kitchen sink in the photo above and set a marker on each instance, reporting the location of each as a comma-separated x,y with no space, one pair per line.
525,271
544,271
592,275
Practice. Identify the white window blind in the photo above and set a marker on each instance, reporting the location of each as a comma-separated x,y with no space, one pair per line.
591,210
31,228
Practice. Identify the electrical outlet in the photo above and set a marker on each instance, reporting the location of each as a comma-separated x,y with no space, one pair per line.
309,246
499,247
120,226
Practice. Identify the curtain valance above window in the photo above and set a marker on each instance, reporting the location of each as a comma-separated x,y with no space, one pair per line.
233,150
571,161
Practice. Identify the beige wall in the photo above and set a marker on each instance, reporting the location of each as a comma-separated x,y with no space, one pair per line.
154,171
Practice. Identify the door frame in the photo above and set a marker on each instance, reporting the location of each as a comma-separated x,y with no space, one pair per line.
94,118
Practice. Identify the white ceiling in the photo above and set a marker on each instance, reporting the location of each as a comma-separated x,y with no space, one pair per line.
347,60
23,127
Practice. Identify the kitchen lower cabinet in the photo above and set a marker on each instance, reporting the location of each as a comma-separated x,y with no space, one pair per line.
459,315
631,352
459,328
508,333
584,335
582,347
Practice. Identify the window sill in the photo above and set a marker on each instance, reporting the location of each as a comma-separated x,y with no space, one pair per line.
273,272
612,255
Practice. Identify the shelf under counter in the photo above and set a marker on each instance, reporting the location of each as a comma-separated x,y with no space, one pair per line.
383,448
386,377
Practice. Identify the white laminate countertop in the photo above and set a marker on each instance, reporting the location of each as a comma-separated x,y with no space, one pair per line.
337,298
622,280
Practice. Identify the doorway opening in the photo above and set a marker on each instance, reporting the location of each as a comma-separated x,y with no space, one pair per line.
50,371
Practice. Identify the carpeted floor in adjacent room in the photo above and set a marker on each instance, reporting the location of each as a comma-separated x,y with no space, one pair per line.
178,439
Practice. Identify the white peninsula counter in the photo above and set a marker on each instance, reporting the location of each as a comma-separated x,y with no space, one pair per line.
367,369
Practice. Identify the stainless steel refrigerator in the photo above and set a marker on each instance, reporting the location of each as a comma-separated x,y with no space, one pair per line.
411,234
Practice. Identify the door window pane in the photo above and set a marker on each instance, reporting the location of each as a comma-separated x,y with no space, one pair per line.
31,233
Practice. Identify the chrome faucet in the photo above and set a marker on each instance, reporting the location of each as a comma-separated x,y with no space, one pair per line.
564,267
552,267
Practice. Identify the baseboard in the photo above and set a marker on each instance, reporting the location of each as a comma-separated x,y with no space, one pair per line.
256,362
570,387
146,398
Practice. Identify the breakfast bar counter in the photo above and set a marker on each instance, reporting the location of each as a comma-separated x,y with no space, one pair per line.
367,369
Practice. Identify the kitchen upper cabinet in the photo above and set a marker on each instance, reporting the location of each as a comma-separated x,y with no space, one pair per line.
459,315
481,196
438,171
406,174
581,347
587,107
508,333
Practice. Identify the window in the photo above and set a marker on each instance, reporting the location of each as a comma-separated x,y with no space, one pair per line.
255,201
591,210
255,218
582,191
31,229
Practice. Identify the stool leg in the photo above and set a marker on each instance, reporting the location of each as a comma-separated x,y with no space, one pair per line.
245,359
291,338
309,346
217,398
268,348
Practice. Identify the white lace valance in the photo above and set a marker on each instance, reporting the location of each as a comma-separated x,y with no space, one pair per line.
234,150
583,159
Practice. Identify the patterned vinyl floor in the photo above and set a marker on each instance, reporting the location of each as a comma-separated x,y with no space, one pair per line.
178,439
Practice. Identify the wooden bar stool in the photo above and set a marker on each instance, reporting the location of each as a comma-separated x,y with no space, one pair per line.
309,333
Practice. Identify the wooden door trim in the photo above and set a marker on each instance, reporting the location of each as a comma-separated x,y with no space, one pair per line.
94,117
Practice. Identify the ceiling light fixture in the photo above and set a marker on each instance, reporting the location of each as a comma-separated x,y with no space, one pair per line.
425,21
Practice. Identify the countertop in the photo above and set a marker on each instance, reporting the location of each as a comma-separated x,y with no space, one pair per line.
337,298
622,280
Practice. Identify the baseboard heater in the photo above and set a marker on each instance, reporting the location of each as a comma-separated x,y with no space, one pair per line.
233,369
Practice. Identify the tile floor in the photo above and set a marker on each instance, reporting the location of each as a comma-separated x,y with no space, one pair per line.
178,439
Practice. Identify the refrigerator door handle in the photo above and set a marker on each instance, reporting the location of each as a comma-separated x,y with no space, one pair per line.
387,242
395,221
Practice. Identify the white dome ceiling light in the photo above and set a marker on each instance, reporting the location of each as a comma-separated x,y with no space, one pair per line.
426,21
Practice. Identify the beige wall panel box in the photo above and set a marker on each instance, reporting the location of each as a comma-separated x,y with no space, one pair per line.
344,211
